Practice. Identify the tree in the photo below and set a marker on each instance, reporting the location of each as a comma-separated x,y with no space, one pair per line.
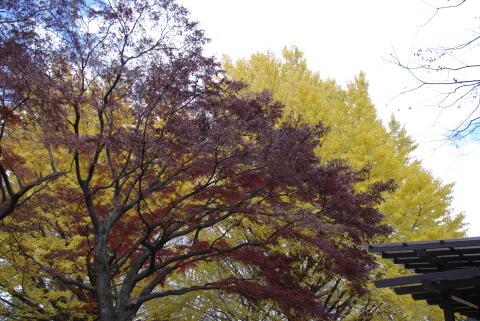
449,71
158,170
418,209
20,62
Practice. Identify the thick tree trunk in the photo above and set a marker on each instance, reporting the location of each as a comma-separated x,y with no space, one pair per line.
105,305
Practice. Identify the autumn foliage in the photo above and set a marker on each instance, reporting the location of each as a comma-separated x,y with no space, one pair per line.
419,208
126,164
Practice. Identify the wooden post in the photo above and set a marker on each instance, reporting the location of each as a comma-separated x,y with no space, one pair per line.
447,308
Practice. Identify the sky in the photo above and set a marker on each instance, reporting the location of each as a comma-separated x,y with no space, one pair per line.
340,38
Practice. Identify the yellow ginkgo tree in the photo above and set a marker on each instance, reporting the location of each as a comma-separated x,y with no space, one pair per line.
419,208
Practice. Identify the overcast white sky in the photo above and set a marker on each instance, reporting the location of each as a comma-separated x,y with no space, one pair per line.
340,38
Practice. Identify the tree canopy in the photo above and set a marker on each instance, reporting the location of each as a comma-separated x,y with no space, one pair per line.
419,209
127,168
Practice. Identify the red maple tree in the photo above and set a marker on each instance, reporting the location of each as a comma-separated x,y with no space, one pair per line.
167,166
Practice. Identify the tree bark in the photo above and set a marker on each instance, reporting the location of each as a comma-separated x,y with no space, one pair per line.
105,305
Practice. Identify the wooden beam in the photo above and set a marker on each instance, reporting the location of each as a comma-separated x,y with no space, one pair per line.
465,283
436,244
409,289
406,253
430,277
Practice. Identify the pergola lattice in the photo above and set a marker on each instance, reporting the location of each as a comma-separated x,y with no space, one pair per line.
447,273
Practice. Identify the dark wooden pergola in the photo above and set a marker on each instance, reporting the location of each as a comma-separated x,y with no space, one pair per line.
447,273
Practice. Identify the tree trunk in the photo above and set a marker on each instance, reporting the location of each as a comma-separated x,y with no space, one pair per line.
105,306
